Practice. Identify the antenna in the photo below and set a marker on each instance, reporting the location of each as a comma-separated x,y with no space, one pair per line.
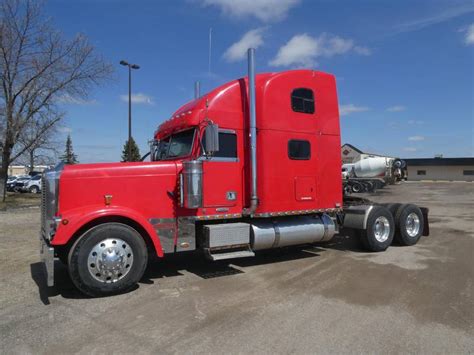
210,48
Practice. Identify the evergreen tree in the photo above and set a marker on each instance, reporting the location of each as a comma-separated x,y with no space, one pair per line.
69,157
135,152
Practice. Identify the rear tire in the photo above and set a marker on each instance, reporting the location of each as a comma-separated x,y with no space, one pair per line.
380,230
357,188
409,224
108,259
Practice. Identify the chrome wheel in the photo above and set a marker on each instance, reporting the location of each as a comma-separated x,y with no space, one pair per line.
413,224
381,229
110,260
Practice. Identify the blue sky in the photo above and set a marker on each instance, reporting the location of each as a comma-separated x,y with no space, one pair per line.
404,68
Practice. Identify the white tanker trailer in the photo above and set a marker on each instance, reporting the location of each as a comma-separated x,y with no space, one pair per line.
371,173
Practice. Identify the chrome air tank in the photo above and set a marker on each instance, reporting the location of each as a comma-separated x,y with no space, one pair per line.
267,234
191,182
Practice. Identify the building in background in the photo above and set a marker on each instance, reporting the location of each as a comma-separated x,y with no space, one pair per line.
448,169
24,170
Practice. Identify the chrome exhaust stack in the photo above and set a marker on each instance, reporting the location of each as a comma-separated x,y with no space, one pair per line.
253,132
197,90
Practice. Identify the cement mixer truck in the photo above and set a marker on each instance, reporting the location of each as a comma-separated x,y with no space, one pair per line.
372,173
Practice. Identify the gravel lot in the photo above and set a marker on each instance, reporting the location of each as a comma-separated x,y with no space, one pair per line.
324,298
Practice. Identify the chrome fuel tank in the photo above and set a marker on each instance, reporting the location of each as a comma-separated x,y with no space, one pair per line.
267,234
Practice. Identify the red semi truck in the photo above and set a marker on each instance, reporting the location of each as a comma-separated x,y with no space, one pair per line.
254,164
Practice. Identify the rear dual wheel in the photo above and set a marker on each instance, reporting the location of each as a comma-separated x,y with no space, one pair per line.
108,259
380,230
409,224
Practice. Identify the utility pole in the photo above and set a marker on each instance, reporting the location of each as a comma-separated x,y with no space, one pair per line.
130,67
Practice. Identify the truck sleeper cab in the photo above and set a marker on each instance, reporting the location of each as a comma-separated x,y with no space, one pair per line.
254,164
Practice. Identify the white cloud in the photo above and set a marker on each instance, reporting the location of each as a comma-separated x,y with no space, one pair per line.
446,15
264,10
139,98
396,108
71,100
362,50
415,122
303,50
469,39
410,149
416,138
65,130
238,50
346,110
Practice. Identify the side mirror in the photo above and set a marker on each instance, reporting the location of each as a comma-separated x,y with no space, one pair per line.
211,143
153,149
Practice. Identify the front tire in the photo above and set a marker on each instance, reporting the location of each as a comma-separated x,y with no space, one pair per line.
380,230
34,189
108,259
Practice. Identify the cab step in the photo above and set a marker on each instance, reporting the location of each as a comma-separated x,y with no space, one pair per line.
227,241
229,254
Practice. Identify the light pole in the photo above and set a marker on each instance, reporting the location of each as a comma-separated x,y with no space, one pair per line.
130,67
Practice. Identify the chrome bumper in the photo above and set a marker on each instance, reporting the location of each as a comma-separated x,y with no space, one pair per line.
47,258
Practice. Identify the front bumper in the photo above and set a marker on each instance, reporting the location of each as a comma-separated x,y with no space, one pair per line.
47,259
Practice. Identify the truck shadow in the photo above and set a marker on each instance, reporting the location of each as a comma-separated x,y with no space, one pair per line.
63,284
195,263
345,240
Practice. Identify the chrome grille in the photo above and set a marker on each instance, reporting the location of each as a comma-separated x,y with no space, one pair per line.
49,200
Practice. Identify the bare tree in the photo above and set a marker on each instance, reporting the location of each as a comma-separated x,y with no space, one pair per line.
33,149
38,68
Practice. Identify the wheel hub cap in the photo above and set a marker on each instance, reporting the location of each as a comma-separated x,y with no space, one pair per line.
110,260
381,229
412,224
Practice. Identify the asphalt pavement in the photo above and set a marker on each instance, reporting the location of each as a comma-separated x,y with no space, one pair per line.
325,298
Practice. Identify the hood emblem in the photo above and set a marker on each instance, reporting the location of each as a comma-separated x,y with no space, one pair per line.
107,200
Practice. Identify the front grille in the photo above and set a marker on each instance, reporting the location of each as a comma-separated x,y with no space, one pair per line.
49,200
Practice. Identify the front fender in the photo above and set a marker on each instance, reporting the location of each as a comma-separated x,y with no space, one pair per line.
73,220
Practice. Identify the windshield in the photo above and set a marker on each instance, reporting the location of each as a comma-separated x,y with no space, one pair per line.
175,146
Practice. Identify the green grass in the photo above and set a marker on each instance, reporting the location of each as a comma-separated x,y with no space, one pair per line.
19,200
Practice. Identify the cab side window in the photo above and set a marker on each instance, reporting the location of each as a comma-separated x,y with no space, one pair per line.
227,145
299,149
302,100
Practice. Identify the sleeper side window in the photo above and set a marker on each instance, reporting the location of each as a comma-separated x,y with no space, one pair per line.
302,100
299,149
227,145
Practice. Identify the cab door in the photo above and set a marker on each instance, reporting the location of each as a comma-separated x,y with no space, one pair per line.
222,177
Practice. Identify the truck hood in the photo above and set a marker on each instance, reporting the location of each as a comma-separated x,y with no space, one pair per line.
105,170
143,186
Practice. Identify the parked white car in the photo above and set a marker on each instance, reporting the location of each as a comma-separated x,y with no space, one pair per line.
33,185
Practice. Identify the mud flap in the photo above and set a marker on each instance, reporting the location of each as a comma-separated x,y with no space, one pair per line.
426,224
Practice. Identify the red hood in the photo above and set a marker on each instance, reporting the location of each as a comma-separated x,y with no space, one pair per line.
141,186
104,170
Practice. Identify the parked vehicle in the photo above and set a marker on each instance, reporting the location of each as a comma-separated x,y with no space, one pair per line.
35,173
372,173
20,183
32,185
254,164
10,184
